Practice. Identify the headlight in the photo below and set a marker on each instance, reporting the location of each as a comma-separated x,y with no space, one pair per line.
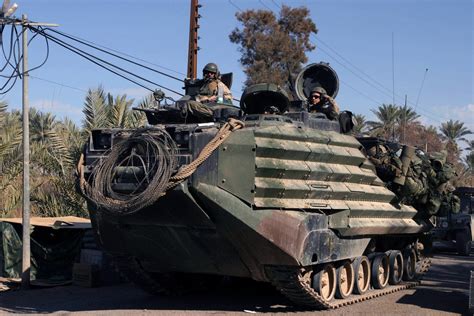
101,140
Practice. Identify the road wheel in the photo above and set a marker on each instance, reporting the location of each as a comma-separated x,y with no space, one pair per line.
409,264
395,259
380,271
463,242
324,282
345,280
362,274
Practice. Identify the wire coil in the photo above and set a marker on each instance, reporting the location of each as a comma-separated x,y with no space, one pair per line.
148,158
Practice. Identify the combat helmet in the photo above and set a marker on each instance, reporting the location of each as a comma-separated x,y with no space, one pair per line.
211,67
377,150
319,90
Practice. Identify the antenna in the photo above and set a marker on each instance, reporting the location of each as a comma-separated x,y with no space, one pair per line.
393,70
421,88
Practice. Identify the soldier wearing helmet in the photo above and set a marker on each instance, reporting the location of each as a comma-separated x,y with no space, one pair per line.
212,90
209,92
320,102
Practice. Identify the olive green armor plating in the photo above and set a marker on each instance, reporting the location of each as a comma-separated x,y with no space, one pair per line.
287,197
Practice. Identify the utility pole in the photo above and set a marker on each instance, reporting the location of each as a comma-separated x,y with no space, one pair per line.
5,19
26,253
193,39
26,250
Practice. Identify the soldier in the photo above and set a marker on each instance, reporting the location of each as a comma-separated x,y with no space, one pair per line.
388,165
213,90
209,92
320,102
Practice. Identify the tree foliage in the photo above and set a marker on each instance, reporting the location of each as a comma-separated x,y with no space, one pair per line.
387,119
454,131
273,49
361,124
55,147
102,110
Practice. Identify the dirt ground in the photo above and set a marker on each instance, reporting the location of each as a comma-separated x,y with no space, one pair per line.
444,291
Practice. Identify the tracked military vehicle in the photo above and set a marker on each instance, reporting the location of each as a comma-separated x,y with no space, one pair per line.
458,226
281,196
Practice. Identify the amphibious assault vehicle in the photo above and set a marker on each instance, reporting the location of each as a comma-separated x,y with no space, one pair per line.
287,198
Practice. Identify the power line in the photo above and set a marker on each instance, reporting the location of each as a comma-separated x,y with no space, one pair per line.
352,71
235,6
431,114
112,54
94,60
124,54
278,5
265,5
361,93
57,83
351,64
387,91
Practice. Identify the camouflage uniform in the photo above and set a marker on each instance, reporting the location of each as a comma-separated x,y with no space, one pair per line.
211,88
388,166
425,184
207,93
326,104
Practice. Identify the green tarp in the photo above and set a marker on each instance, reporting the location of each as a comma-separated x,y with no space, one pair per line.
53,252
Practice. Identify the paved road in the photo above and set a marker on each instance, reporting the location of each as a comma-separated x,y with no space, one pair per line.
444,291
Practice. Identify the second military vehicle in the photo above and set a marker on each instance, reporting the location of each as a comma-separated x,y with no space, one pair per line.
457,227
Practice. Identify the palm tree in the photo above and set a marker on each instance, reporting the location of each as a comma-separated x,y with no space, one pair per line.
95,110
138,118
387,115
361,124
119,110
50,150
406,117
73,138
470,145
102,110
454,131
10,160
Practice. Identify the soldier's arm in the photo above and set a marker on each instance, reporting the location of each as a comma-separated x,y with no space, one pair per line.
333,104
202,98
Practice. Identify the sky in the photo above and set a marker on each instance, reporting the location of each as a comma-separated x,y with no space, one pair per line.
373,45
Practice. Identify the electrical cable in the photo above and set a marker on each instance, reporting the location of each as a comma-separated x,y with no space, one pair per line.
91,58
57,83
13,58
426,113
431,115
234,5
119,52
274,2
112,54
351,64
17,57
261,2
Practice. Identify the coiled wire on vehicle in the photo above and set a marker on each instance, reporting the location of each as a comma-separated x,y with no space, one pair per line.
148,157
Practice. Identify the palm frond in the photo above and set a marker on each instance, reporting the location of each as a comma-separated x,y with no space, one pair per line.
95,110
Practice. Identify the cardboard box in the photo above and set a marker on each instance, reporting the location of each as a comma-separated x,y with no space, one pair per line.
86,275
92,257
